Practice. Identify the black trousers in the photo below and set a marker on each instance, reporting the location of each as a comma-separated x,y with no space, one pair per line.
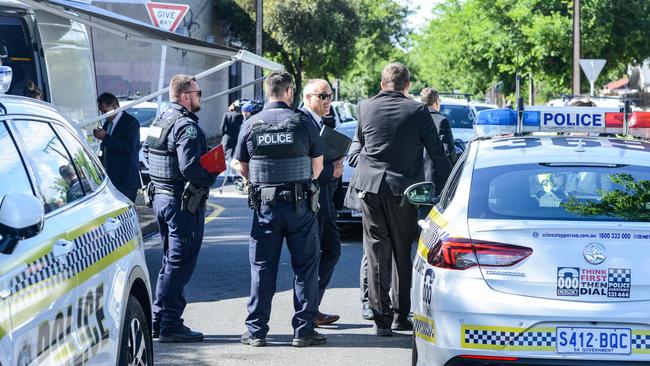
330,246
388,231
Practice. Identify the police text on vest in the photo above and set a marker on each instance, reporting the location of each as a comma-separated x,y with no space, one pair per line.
277,138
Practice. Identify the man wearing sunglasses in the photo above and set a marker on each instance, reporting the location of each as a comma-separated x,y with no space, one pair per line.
173,149
317,98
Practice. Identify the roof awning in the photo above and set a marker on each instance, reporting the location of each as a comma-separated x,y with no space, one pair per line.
125,27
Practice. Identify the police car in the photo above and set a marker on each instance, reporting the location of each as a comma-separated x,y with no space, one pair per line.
536,250
74,286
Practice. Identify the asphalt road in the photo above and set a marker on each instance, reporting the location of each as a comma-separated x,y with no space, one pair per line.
218,293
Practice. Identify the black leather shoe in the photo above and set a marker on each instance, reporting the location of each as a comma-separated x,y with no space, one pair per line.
248,339
324,319
382,332
313,340
184,335
366,312
155,331
402,324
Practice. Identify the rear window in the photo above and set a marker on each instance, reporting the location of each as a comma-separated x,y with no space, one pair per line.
459,116
538,191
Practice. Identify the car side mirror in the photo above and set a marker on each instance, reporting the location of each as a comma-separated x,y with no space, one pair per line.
421,194
21,217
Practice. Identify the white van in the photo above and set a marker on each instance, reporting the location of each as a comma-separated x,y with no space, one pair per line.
52,51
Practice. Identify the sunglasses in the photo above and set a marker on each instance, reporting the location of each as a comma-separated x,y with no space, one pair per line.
323,96
198,92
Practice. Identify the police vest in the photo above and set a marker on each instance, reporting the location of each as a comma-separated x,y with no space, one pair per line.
278,154
163,161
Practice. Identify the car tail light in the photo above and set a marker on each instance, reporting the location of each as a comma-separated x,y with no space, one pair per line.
460,253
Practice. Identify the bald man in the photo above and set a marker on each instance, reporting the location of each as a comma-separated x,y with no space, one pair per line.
317,98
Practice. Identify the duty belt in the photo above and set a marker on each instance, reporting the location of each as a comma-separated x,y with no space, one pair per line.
289,196
166,192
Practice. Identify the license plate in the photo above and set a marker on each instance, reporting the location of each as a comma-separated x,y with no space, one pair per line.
594,340
355,213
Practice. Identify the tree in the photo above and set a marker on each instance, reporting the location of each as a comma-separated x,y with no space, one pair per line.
314,38
472,44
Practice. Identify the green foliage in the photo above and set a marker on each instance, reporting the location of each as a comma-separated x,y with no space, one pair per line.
472,44
350,40
631,203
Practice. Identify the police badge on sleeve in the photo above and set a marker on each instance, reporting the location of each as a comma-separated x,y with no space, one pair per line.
191,132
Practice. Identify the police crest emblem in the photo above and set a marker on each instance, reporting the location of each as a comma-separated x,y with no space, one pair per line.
191,132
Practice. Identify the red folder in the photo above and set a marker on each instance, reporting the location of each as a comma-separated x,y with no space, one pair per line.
214,161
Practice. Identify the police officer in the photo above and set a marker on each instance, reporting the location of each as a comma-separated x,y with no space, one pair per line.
280,154
180,189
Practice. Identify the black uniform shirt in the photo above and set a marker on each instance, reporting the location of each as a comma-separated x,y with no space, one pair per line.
190,144
275,112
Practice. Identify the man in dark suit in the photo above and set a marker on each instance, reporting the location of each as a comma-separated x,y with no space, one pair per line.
393,130
230,126
120,143
317,98
431,99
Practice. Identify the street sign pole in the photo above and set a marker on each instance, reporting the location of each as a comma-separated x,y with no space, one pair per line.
168,17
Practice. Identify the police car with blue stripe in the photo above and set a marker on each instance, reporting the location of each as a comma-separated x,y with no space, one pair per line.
74,286
536,250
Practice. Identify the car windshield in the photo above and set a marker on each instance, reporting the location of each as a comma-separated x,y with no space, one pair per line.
547,192
459,116
145,116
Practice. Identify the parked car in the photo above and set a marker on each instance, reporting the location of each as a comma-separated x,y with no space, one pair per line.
74,284
532,255
461,113
346,215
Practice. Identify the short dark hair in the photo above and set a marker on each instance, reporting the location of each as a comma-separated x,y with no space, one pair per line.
107,99
395,76
277,83
429,96
66,171
32,90
582,103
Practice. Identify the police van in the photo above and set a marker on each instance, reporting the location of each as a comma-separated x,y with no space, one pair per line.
535,252
74,285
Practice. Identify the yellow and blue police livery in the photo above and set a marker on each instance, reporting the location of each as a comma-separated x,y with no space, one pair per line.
74,286
535,251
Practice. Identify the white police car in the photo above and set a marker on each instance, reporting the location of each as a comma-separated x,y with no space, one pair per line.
536,251
74,286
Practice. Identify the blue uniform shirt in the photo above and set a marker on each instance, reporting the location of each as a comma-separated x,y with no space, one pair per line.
275,112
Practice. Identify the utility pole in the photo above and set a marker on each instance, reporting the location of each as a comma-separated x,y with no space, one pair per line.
576,47
259,22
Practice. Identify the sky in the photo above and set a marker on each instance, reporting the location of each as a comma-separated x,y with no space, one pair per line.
420,17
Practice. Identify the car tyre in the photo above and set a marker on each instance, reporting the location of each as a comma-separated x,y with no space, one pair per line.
136,348
414,351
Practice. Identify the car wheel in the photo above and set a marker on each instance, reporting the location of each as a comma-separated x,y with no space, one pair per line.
137,346
414,351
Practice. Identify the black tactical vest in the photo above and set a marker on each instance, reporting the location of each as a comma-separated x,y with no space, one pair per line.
279,152
163,161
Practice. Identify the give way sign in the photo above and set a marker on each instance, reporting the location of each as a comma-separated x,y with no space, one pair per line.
166,16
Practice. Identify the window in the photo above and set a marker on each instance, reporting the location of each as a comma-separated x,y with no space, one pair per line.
58,179
452,182
13,177
547,192
459,116
88,168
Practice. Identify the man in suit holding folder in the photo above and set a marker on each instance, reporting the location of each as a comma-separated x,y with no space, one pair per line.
317,98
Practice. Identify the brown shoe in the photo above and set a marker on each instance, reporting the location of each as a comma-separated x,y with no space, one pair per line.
324,319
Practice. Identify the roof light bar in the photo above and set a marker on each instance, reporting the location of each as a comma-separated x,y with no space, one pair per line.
566,119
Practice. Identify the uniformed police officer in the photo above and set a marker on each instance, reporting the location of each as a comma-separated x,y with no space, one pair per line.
173,148
280,154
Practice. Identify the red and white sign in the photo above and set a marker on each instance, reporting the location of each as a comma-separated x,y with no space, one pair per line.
166,16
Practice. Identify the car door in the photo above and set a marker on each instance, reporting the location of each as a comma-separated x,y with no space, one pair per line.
35,277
